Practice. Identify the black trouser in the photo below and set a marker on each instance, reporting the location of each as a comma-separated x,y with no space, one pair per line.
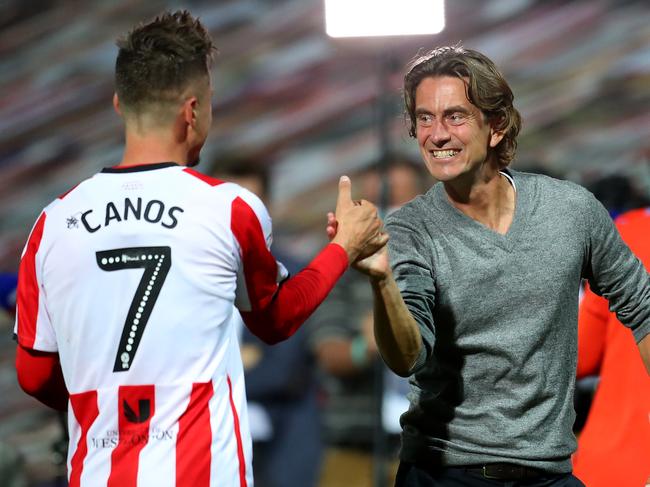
410,475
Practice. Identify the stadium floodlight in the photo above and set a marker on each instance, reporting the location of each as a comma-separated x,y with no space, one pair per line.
372,18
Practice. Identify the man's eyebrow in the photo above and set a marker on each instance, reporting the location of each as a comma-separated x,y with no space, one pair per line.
456,109
446,111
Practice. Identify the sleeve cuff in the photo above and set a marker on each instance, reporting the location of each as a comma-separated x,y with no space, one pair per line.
338,253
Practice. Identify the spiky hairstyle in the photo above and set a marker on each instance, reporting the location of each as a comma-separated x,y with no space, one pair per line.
158,59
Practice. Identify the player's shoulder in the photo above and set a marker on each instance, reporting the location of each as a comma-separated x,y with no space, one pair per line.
227,188
67,195
244,200
218,191
239,198
204,178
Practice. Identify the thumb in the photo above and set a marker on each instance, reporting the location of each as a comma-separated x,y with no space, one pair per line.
382,239
345,193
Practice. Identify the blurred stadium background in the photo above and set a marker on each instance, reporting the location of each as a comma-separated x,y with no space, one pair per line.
304,104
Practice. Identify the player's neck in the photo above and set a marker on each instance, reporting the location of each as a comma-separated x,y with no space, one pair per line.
152,148
486,197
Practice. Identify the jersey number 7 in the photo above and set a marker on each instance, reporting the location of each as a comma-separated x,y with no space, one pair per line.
156,262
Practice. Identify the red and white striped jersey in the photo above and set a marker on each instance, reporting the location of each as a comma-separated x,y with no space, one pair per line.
132,277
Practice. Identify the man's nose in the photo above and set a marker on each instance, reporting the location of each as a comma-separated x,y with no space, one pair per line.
439,134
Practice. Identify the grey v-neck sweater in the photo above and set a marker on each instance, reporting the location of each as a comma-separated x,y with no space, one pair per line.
498,316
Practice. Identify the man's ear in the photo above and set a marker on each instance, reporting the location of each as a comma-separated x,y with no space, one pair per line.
189,111
116,104
496,134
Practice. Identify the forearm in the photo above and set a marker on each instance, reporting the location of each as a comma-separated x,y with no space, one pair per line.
644,348
396,331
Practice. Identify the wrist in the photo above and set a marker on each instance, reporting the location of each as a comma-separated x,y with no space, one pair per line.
349,250
380,281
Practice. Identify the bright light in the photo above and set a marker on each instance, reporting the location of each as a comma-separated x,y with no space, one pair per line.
361,18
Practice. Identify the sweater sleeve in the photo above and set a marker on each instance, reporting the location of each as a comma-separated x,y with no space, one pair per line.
614,272
415,280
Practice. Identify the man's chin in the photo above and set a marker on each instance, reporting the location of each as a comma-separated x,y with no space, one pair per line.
441,174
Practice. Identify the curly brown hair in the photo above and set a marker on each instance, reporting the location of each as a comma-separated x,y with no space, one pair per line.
487,89
158,59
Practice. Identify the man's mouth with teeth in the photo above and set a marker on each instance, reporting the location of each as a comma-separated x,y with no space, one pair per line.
441,154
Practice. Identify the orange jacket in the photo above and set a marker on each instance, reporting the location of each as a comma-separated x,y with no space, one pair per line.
614,446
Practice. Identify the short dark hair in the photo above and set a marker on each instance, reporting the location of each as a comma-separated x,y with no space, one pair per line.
487,89
158,59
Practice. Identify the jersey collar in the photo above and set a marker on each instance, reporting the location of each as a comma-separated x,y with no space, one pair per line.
139,167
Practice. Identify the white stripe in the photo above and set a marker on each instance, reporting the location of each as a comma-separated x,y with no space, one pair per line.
104,431
158,457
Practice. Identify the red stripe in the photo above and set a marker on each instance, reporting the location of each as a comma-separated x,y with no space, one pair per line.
206,179
260,267
136,406
240,447
27,292
85,409
194,442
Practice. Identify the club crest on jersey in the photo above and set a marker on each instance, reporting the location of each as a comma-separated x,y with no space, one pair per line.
144,411
153,211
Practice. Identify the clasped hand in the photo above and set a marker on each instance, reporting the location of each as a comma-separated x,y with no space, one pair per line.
356,226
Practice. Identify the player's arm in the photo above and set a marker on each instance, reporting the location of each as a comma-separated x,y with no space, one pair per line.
295,298
39,375
38,371
275,314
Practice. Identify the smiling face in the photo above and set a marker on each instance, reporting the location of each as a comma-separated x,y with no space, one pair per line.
454,136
